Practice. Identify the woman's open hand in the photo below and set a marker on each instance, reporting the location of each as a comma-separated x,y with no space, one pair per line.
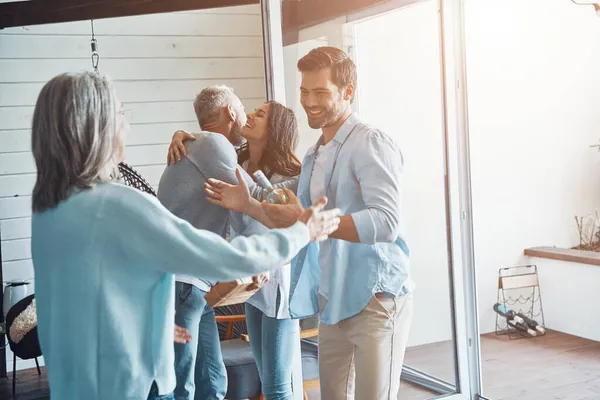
182,336
259,281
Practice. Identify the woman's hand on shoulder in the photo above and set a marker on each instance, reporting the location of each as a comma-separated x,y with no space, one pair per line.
177,148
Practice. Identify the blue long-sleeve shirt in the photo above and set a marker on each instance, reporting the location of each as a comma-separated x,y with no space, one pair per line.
104,261
363,178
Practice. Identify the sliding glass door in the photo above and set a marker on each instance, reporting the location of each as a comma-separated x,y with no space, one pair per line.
408,56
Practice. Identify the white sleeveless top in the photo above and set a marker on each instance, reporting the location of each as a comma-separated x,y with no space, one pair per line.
279,281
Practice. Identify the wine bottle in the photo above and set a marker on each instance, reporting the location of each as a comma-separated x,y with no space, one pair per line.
509,314
274,195
532,323
520,326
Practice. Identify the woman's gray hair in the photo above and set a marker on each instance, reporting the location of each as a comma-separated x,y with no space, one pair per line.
75,137
210,102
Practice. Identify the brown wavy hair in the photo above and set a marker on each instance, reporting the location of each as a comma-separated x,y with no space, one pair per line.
279,156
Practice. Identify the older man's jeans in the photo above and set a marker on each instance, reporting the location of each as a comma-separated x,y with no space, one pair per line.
199,366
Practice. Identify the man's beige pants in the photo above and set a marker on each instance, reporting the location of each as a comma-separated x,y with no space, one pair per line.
360,358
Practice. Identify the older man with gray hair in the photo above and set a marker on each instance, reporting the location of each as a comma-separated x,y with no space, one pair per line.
199,366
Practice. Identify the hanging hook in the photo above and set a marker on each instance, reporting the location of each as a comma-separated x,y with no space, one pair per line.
95,56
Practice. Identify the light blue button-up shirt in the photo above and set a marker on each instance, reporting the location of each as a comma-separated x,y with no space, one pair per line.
363,178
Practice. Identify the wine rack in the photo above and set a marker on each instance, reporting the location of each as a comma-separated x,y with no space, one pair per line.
519,310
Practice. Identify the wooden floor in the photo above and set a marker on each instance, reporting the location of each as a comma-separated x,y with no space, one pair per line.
30,386
552,367
555,366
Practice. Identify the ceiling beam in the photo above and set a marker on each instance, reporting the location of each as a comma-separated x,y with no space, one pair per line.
312,12
289,16
302,14
36,12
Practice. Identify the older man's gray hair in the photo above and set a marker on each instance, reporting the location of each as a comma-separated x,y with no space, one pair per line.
210,102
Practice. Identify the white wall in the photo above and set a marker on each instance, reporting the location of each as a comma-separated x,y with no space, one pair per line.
570,297
159,63
534,91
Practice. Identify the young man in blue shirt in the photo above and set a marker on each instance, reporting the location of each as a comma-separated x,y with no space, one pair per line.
359,278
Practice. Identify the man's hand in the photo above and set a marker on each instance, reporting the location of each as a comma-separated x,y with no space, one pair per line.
233,197
182,336
177,148
258,281
320,223
284,215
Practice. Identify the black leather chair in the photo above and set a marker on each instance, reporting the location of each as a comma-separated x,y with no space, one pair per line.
29,346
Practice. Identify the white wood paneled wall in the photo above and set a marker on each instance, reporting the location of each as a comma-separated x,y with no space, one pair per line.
158,62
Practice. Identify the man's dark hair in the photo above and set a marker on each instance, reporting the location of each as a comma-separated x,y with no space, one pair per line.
343,69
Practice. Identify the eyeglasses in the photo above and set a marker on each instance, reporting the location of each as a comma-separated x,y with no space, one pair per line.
127,113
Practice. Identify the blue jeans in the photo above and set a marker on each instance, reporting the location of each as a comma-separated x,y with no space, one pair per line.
199,367
272,342
153,395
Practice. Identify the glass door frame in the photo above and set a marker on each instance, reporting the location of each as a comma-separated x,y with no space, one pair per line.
454,85
457,169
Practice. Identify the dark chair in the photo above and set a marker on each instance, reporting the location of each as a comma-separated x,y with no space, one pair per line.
29,346
133,178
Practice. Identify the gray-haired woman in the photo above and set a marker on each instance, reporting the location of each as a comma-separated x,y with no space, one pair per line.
104,253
